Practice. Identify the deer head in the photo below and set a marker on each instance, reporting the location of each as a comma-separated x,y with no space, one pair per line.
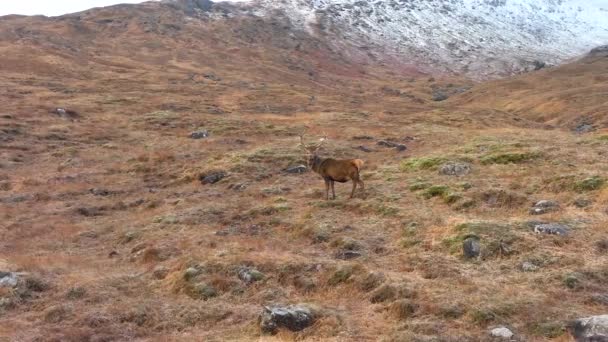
311,151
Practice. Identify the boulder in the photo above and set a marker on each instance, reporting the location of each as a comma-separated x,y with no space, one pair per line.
551,228
471,248
296,169
200,134
501,332
8,279
213,177
397,146
590,329
292,317
455,169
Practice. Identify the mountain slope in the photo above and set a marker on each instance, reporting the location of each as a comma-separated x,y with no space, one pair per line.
160,203
480,38
573,95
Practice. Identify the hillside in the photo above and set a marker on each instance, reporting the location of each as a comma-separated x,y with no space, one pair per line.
155,204
573,95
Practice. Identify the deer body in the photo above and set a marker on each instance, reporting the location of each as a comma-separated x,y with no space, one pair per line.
337,170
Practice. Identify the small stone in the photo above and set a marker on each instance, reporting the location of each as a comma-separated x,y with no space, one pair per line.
8,279
347,255
590,329
363,137
400,147
294,318
455,169
296,169
201,134
584,128
386,143
364,149
501,332
100,192
191,272
471,248
543,207
440,96
250,275
529,267
551,228
213,177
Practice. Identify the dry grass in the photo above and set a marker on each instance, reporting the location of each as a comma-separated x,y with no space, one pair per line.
97,251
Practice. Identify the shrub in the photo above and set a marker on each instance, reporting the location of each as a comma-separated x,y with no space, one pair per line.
509,157
590,184
422,163
435,191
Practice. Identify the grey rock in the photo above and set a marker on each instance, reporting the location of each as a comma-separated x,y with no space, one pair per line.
212,178
363,137
600,51
347,255
501,332
471,247
543,207
364,149
8,279
297,169
292,317
250,275
397,146
584,128
590,329
201,134
551,228
101,192
439,96
528,267
455,169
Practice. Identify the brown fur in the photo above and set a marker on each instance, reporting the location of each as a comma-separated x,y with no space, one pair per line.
337,170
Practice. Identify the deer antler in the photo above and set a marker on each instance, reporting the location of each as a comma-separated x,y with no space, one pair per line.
302,144
322,141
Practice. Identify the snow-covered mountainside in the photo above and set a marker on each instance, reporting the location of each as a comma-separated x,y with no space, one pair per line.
481,38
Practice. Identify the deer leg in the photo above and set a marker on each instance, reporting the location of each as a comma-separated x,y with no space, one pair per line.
326,189
352,194
362,185
333,191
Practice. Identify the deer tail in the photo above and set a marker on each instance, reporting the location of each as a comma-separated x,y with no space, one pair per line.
358,163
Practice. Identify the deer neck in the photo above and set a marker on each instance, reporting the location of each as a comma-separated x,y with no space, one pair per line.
316,163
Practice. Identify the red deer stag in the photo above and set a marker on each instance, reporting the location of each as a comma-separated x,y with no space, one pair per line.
333,170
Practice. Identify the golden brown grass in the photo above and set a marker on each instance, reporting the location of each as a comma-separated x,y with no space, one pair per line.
137,112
